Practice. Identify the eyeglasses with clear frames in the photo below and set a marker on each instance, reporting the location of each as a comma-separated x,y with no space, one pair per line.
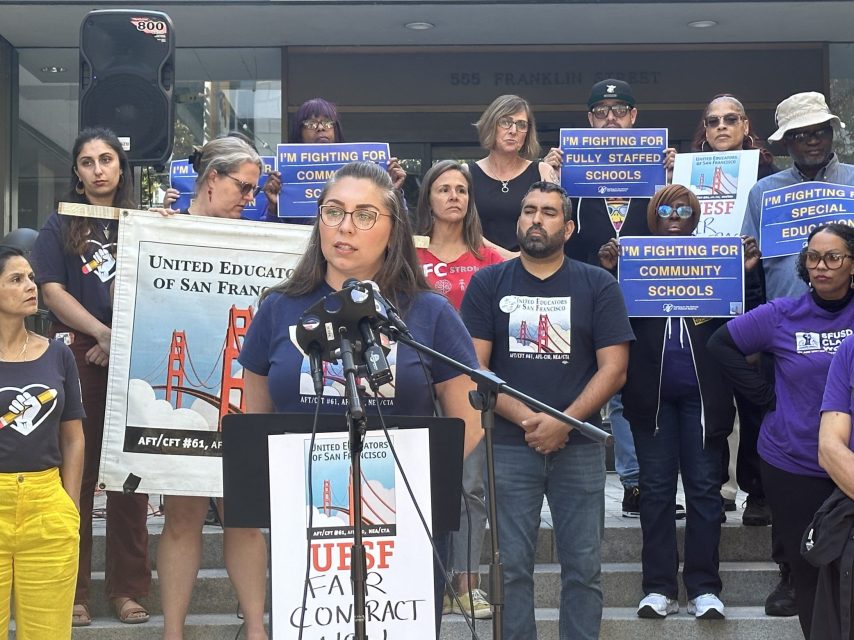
314,125
507,122
831,260
245,187
332,216
600,112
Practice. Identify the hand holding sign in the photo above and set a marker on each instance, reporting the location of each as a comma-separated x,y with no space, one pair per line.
609,253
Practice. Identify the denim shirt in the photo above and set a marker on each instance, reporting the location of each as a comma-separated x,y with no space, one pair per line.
781,279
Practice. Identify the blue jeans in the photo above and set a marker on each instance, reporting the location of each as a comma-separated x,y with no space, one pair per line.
679,445
573,480
466,544
625,458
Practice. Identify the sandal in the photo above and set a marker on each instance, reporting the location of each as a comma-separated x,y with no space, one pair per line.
80,616
129,611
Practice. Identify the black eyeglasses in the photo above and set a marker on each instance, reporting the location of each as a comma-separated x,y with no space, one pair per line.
601,111
314,125
332,216
730,120
831,260
507,122
245,187
683,211
804,136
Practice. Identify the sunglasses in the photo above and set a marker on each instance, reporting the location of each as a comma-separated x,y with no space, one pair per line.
804,136
619,110
245,187
683,211
730,120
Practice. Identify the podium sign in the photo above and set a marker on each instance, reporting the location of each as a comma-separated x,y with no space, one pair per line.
399,597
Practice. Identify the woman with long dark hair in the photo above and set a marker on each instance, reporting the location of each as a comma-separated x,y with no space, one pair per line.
75,266
360,232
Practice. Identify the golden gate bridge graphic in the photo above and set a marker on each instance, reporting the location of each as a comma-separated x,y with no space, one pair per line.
181,381
333,375
548,339
722,184
376,509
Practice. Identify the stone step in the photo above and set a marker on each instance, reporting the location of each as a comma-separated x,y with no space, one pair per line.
744,584
621,543
744,623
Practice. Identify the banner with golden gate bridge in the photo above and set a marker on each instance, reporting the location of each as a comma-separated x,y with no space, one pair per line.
186,290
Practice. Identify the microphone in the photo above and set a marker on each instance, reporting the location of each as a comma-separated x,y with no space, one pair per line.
389,310
375,360
316,363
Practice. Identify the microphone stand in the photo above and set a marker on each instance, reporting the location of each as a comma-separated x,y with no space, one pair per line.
484,399
357,425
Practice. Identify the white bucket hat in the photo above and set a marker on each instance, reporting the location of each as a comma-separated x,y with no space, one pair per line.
802,110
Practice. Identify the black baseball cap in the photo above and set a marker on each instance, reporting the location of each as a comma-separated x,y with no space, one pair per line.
611,89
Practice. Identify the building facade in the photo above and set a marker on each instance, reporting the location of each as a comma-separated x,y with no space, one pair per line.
248,65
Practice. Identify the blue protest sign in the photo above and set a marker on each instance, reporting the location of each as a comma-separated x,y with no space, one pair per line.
789,214
305,168
604,163
681,276
183,178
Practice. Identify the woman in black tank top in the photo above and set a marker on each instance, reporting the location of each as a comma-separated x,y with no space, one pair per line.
508,131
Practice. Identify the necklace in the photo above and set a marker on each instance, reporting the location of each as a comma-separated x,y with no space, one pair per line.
505,184
23,349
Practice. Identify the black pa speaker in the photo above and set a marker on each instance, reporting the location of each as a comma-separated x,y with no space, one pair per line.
127,78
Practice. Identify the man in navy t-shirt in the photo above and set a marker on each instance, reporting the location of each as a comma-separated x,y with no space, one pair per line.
555,329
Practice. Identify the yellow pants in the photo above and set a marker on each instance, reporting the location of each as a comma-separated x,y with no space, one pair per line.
39,543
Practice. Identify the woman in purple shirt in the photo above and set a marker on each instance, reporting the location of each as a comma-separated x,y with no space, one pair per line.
802,334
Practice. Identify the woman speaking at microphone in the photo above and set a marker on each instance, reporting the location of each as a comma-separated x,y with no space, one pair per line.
361,232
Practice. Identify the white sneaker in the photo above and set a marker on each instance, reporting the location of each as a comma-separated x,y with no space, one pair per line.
656,605
707,606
